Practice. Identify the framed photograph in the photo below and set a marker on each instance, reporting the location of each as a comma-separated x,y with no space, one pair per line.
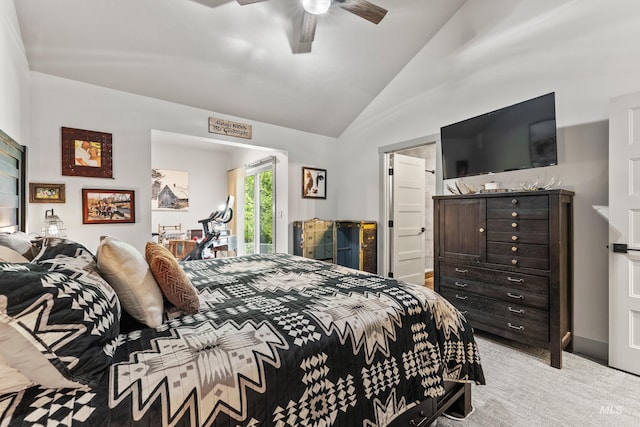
314,183
169,190
46,193
86,153
108,206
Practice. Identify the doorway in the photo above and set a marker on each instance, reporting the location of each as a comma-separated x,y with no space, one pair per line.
208,162
425,148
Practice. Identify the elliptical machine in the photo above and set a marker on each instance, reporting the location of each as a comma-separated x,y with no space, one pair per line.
222,216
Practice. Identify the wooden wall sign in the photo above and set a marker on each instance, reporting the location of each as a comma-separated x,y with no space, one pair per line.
227,127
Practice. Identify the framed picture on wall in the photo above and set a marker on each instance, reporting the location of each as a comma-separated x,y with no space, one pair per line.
86,153
169,190
108,206
314,183
46,193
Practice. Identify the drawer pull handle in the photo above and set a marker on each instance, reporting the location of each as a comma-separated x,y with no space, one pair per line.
519,328
514,261
481,229
458,270
513,310
514,201
514,238
510,295
461,285
514,225
514,214
514,249
511,279
462,298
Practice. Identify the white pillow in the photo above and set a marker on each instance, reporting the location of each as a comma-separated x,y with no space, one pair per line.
128,273
9,255
19,241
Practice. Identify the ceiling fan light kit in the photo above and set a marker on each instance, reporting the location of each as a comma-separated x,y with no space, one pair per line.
316,7
312,8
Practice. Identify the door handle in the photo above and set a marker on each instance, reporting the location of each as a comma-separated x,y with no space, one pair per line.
623,248
422,229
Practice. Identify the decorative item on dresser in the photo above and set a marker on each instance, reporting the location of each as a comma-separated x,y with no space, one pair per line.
506,261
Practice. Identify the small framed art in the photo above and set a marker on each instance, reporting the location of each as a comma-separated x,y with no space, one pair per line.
314,183
46,193
108,206
86,153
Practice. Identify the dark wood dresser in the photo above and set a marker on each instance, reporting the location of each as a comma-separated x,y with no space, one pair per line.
505,260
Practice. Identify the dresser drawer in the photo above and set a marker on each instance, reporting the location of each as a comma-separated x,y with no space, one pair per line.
529,296
518,255
511,320
518,226
465,301
518,202
515,213
527,282
518,231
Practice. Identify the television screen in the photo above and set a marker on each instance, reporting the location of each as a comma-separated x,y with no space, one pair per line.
519,136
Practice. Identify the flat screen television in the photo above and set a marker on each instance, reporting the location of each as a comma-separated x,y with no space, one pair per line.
520,136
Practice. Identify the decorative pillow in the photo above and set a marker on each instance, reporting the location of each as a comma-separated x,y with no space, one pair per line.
19,241
173,281
126,270
56,329
9,255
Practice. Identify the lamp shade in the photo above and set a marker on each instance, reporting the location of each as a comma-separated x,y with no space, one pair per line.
316,7
53,226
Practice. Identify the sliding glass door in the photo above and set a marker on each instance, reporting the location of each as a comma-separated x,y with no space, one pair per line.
259,190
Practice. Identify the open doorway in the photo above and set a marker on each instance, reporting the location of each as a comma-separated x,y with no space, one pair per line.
422,148
208,163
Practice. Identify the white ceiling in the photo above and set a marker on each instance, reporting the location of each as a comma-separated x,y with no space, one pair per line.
231,59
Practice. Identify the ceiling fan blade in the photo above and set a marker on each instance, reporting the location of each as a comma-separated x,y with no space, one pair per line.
245,2
363,9
308,30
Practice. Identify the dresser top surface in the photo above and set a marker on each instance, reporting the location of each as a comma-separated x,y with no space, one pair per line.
507,194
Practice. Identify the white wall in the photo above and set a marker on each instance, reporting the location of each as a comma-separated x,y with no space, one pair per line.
583,50
131,118
14,77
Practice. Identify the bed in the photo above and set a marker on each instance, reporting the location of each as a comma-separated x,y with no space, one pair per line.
260,340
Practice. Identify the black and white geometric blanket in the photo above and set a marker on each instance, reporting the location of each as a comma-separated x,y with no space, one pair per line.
279,341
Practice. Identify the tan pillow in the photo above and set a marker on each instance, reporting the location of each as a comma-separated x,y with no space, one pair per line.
126,270
173,281
9,255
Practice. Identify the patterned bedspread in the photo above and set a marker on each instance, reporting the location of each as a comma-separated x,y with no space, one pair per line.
279,341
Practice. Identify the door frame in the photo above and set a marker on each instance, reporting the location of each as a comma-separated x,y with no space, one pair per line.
384,184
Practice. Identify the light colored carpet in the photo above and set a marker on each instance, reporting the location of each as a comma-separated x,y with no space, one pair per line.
523,390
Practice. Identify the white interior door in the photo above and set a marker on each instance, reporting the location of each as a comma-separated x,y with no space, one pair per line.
624,221
407,234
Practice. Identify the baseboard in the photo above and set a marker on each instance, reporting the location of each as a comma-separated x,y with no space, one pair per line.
593,349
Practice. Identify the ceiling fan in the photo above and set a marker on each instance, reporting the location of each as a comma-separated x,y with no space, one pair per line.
313,8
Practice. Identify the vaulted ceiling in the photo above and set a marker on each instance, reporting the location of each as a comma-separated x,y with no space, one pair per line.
231,59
